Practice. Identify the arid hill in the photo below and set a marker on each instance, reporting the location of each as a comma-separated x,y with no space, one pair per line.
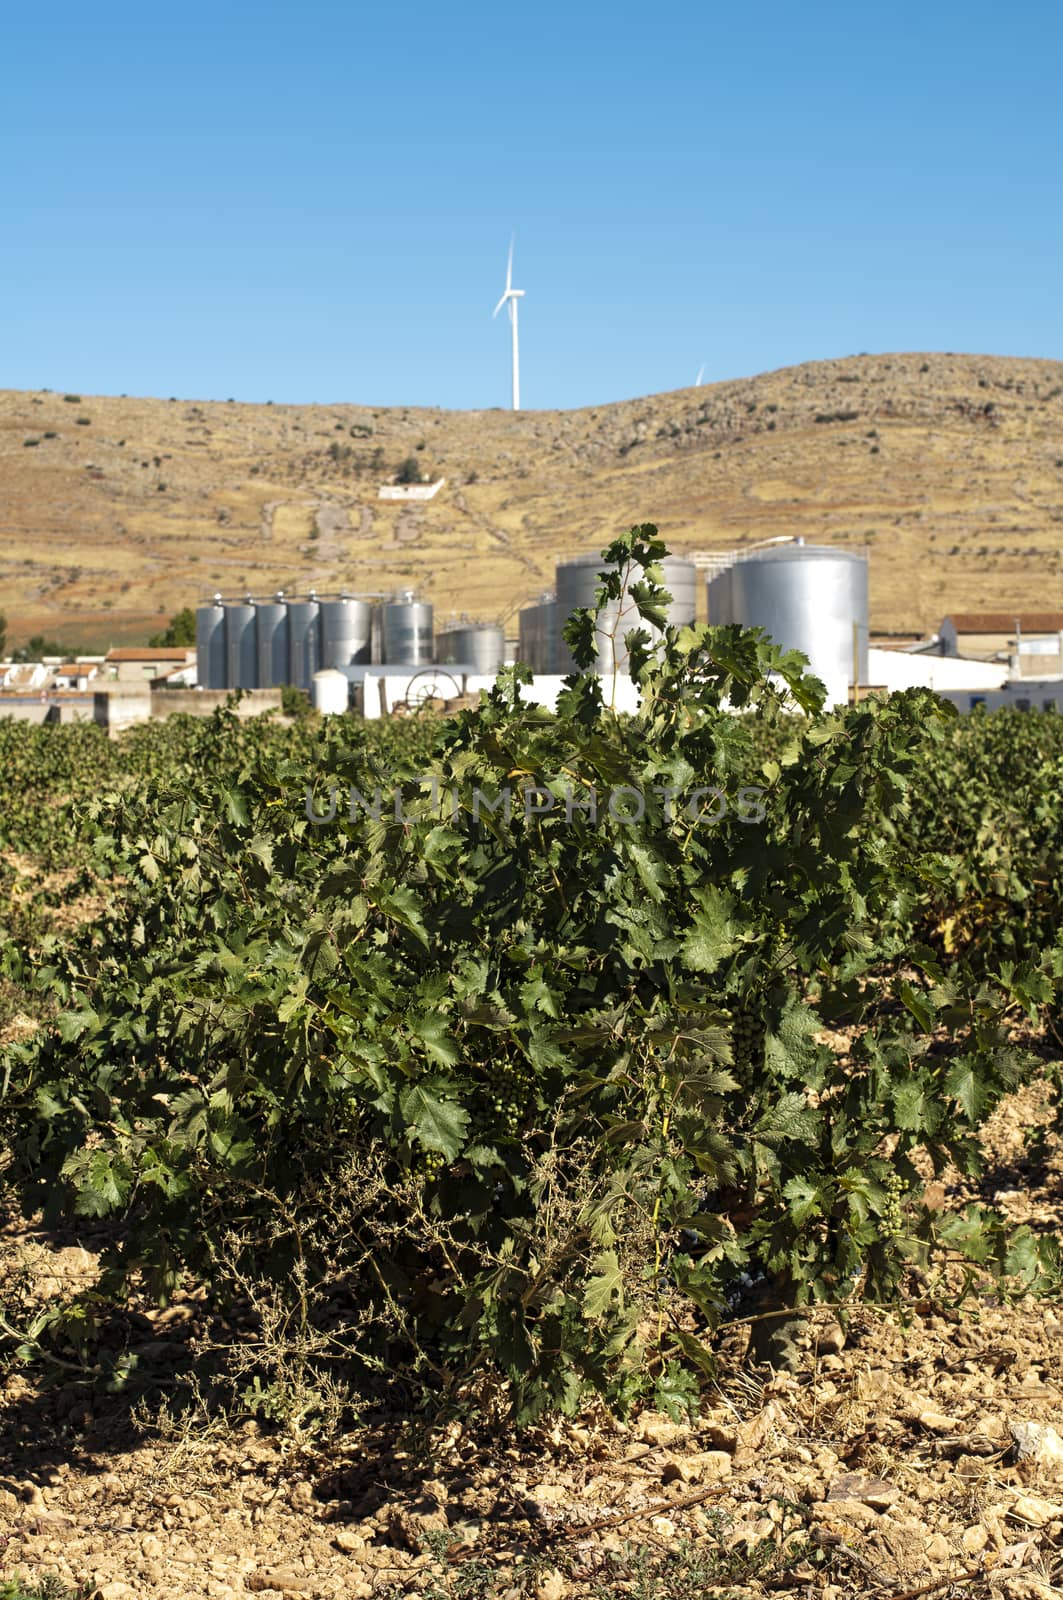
115,513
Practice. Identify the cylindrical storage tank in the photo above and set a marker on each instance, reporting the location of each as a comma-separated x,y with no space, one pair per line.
272,624
481,647
408,633
718,598
681,581
809,598
537,628
304,641
577,583
210,646
346,632
241,646
331,692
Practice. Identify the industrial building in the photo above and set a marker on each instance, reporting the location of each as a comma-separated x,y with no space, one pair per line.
382,652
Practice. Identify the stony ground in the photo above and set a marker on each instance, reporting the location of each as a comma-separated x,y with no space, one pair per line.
903,1459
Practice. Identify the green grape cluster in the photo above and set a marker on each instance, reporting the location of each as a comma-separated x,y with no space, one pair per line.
891,1223
433,1163
747,1036
509,1092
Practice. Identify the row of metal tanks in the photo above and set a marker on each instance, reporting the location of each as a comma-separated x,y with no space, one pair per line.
258,644
812,598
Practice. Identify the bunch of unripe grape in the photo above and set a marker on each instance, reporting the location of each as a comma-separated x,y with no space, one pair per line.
747,1035
432,1163
891,1223
507,1095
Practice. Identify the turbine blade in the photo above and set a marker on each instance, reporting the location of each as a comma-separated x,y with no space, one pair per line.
509,263
500,304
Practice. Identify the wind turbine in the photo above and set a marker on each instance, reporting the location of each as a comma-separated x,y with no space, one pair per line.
511,296
701,374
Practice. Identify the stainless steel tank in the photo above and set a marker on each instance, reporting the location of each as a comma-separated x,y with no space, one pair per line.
807,597
272,624
718,598
210,646
480,646
304,641
577,582
346,632
537,629
241,646
408,632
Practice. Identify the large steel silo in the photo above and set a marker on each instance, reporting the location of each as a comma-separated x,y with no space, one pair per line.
408,632
304,641
807,597
346,630
718,598
537,628
210,646
577,582
241,646
481,646
272,624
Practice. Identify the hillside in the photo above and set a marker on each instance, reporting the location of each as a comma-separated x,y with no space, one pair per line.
116,512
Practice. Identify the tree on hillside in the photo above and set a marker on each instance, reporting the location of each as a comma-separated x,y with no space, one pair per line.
181,631
409,471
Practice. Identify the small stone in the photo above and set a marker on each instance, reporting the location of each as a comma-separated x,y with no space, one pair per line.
1027,1508
301,1496
113,1591
542,1502
974,1540
346,1539
937,1422
701,1466
664,1526
1037,1441
937,1550
286,1579
657,1429
878,1493
151,1547
831,1342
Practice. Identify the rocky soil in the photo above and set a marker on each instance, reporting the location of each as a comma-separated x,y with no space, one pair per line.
906,1457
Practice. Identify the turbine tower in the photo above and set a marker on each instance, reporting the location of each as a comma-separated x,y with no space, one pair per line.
511,296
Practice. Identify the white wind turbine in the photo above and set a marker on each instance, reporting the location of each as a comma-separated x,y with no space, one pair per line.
511,296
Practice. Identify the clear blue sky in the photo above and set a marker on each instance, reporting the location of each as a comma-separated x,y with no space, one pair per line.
314,202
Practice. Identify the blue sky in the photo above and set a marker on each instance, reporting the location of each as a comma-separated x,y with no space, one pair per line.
314,203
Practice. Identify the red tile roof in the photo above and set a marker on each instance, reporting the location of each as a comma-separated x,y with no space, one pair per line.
177,652
1004,621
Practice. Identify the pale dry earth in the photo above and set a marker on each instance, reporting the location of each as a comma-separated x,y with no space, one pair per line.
948,469
906,1457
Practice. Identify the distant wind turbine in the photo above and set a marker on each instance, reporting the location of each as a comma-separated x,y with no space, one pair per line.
511,296
701,374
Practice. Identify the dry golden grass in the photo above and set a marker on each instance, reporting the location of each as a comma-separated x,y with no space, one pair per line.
948,469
